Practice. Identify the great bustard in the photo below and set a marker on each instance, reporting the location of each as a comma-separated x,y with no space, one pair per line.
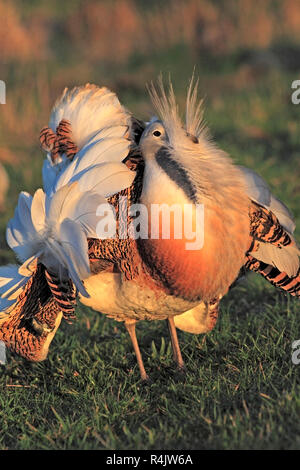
100,156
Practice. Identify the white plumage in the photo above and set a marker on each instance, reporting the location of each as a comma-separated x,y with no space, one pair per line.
12,280
54,225
55,230
100,128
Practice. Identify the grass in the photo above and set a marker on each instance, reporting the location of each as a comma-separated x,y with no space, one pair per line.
241,389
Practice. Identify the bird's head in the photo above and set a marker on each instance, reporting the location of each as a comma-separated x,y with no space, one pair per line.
183,149
153,138
171,147
157,147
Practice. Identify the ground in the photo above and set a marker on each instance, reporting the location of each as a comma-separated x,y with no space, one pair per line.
241,389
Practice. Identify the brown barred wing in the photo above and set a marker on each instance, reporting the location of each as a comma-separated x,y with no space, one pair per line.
265,226
271,243
119,254
60,142
65,139
32,323
278,279
64,294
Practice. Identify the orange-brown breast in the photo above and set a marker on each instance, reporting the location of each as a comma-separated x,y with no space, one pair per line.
203,273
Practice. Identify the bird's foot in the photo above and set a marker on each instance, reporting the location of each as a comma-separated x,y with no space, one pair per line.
181,369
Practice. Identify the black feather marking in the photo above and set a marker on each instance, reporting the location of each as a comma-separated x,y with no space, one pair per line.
176,173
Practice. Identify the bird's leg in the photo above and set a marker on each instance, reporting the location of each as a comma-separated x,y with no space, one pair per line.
130,326
175,344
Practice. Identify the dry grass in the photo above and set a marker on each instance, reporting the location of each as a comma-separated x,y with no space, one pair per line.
47,46
123,44
22,40
44,48
114,30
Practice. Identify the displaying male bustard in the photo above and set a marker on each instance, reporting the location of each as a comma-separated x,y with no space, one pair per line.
101,162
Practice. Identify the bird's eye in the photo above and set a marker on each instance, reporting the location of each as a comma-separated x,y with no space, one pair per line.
156,133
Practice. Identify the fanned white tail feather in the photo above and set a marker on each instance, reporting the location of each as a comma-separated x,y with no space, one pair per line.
101,129
55,230
89,109
54,225
12,280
